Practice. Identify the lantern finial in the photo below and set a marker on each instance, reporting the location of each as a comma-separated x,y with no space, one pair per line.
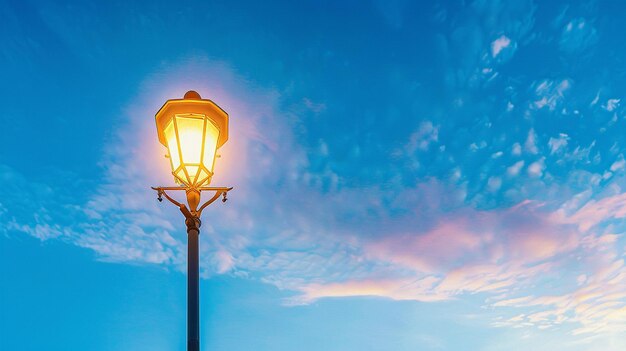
192,95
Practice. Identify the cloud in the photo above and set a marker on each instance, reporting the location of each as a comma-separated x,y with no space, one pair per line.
536,168
531,144
516,149
595,305
471,251
499,44
423,137
577,35
595,212
558,144
440,247
397,289
611,104
502,253
515,168
551,93
494,183
618,164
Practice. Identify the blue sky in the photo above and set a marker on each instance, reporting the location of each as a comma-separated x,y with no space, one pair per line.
408,175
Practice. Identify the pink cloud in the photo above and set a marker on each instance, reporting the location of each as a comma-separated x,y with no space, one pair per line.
464,251
442,246
595,212
500,253
523,234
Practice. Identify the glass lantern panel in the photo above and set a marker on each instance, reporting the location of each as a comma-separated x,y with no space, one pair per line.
181,176
172,145
190,137
210,145
192,171
202,176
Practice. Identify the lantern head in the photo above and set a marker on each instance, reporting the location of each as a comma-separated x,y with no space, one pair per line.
192,129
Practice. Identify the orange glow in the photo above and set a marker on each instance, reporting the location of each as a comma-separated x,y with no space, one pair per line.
191,142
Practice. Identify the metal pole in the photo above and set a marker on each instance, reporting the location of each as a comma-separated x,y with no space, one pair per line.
193,287
192,221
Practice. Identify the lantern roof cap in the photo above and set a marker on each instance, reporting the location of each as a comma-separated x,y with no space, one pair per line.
192,95
192,103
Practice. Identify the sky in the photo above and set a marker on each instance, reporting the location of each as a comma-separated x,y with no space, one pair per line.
407,175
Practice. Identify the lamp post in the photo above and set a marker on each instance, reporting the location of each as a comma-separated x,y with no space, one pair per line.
192,129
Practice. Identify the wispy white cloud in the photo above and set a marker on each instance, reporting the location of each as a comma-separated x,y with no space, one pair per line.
611,104
558,144
423,137
531,142
577,35
619,164
551,93
499,44
516,149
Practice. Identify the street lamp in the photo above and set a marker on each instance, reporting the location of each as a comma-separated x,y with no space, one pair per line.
192,129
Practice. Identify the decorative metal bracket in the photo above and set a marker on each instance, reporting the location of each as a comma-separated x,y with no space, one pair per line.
193,198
